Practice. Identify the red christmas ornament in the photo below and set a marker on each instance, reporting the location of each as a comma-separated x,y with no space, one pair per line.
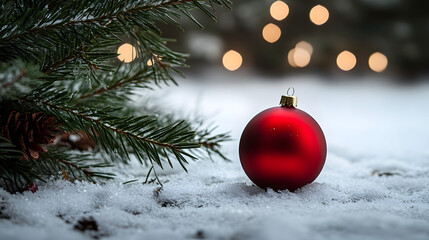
282,147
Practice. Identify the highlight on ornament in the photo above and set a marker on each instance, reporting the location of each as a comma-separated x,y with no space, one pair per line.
319,15
271,33
300,56
346,61
127,53
377,62
279,10
232,60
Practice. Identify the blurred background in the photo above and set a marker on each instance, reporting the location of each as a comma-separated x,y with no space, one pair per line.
327,37
359,67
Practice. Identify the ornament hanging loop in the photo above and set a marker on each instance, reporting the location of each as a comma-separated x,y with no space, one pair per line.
293,91
289,100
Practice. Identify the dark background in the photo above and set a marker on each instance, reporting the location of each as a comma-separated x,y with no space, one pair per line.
397,28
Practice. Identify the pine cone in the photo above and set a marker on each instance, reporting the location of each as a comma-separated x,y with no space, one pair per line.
29,132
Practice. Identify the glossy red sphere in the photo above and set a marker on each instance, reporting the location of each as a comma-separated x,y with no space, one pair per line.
282,148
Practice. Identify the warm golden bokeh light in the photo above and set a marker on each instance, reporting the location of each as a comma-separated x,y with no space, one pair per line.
346,60
319,15
232,60
279,10
290,57
149,62
305,45
377,62
127,53
152,60
271,33
301,57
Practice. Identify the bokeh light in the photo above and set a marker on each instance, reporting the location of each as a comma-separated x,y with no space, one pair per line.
152,60
290,57
301,57
346,60
279,10
149,62
319,15
232,60
377,62
271,33
127,53
305,45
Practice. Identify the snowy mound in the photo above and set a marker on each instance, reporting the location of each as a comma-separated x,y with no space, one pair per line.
373,185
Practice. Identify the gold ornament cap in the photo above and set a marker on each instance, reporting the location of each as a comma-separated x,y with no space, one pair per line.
289,100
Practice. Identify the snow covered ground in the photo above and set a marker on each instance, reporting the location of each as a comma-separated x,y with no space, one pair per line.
374,184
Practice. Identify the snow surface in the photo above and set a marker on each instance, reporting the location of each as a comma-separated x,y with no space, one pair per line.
374,184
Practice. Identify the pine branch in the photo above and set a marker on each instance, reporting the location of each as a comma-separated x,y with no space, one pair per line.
77,54
54,66
99,19
116,135
67,49
8,151
121,18
13,172
130,80
112,128
85,171
72,166
210,142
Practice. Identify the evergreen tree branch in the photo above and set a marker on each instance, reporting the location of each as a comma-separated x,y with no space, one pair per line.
15,173
120,136
211,143
67,27
72,166
130,80
85,171
98,121
54,66
77,54
67,49
99,19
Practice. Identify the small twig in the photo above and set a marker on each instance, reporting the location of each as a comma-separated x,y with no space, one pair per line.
86,171
159,61
119,84
91,65
75,55
66,176
210,145
54,66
